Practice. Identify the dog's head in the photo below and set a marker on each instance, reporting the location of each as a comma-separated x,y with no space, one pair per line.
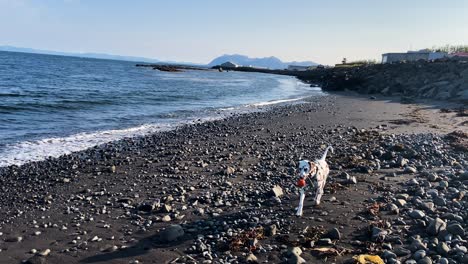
306,168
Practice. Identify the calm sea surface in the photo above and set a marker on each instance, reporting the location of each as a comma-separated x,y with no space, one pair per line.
53,105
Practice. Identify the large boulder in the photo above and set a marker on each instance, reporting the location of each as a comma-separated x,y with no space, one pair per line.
170,234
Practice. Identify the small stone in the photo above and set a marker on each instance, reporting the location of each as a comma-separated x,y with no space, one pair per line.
378,234
393,208
295,259
277,191
413,182
440,201
388,255
271,230
432,177
251,258
417,214
456,229
401,252
352,180
334,234
110,248
419,254
403,196
443,261
295,251
229,170
400,202
44,253
172,233
166,218
417,245
435,226
443,249
409,169
295,256
14,239
200,211
147,207
425,260
324,242
443,184
167,208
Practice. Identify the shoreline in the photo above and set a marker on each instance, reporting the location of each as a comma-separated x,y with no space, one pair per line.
97,138
267,106
223,171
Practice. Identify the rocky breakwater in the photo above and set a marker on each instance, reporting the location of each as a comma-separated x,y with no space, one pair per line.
442,80
171,67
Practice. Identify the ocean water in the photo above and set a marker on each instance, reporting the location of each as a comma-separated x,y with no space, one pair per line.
54,105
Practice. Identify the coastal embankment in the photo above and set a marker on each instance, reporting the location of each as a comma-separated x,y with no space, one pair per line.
441,80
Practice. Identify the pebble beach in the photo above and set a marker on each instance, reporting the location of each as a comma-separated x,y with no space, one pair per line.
224,191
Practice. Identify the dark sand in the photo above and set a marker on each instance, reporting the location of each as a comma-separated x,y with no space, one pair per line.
76,198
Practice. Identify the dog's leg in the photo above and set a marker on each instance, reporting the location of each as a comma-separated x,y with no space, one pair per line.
301,202
319,192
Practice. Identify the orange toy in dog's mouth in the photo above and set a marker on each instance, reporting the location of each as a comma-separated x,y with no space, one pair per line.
301,183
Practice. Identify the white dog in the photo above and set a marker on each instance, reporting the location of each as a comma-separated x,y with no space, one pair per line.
317,173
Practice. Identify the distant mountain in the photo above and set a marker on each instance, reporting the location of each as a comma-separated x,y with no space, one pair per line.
75,54
267,62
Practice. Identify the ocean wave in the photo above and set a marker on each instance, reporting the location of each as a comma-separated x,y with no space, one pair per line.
12,95
273,102
66,104
27,151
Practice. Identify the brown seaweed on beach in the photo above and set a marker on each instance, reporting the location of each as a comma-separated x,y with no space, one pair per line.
373,209
246,238
458,140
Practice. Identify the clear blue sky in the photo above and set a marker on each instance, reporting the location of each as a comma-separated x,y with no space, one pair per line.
199,30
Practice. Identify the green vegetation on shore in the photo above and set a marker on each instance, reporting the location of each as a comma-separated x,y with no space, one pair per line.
450,48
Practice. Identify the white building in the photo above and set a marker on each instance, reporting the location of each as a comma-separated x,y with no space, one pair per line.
412,56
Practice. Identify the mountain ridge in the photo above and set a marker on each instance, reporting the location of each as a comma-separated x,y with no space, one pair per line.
91,55
265,62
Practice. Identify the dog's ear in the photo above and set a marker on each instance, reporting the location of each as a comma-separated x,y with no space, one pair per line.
313,167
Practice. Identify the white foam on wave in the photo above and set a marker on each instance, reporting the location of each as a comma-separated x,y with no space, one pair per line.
273,102
26,151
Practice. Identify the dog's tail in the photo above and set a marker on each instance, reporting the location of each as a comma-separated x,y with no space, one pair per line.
324,156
